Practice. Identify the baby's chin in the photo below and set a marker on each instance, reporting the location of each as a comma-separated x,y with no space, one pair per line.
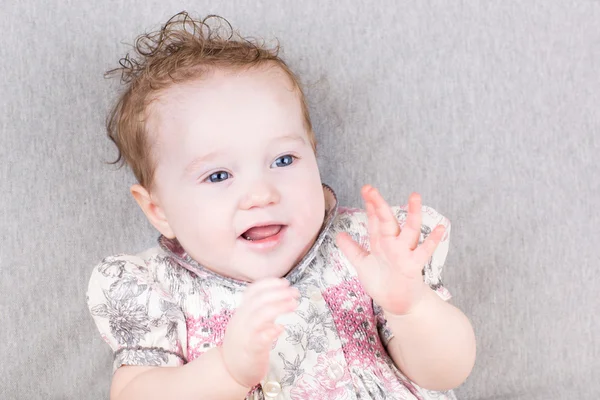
254,272
276,263
250,267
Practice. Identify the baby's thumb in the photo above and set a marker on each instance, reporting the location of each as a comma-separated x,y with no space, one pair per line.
352,250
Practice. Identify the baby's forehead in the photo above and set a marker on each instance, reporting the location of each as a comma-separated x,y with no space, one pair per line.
229,86
226,87
230,103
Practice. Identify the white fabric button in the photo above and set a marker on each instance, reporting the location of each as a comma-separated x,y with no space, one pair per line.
271,389
315,296
335,371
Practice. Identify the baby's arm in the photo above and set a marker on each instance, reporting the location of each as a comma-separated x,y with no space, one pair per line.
432,341
205,377
225,372
433,345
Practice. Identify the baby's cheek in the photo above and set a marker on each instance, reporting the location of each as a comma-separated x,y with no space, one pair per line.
209,232
308,224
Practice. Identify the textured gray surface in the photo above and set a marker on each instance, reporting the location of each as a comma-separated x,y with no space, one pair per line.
488,108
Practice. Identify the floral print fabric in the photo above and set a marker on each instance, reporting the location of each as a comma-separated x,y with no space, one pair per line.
161,308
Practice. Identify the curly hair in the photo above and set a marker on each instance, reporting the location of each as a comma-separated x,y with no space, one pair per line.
183,49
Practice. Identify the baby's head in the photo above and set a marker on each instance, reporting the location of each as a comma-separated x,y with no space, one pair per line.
218,135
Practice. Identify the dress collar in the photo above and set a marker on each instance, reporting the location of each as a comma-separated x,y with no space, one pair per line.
176,252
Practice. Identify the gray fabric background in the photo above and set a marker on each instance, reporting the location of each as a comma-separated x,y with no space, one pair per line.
488,108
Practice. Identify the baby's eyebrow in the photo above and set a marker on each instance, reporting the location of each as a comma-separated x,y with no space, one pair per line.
291,137
198,161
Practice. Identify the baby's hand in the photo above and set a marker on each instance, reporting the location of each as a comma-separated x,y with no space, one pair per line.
252,330
391,272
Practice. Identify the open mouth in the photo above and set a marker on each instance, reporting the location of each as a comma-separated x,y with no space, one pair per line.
262,233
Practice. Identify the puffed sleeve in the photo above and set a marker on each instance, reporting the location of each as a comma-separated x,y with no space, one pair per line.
432,271
136,317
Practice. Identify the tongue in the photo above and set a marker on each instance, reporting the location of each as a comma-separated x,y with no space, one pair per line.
261,232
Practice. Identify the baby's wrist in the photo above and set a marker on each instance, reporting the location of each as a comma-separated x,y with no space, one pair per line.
420,304
228,369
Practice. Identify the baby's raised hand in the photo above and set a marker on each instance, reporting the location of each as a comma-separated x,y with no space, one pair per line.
252,330
391,272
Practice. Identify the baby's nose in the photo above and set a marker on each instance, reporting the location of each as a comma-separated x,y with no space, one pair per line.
260,195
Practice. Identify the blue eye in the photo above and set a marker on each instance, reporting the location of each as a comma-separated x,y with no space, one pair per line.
283,161
219,176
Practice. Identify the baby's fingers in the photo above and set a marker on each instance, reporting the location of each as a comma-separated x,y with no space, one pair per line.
426,249
260,342
352,250
412,229
268,335
257,301
266,315
386,221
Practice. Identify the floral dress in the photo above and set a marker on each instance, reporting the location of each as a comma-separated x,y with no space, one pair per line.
161,308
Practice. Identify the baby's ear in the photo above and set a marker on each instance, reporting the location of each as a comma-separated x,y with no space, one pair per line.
152,209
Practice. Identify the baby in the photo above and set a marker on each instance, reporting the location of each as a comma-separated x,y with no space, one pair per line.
261,286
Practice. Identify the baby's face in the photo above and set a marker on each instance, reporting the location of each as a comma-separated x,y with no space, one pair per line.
236,176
